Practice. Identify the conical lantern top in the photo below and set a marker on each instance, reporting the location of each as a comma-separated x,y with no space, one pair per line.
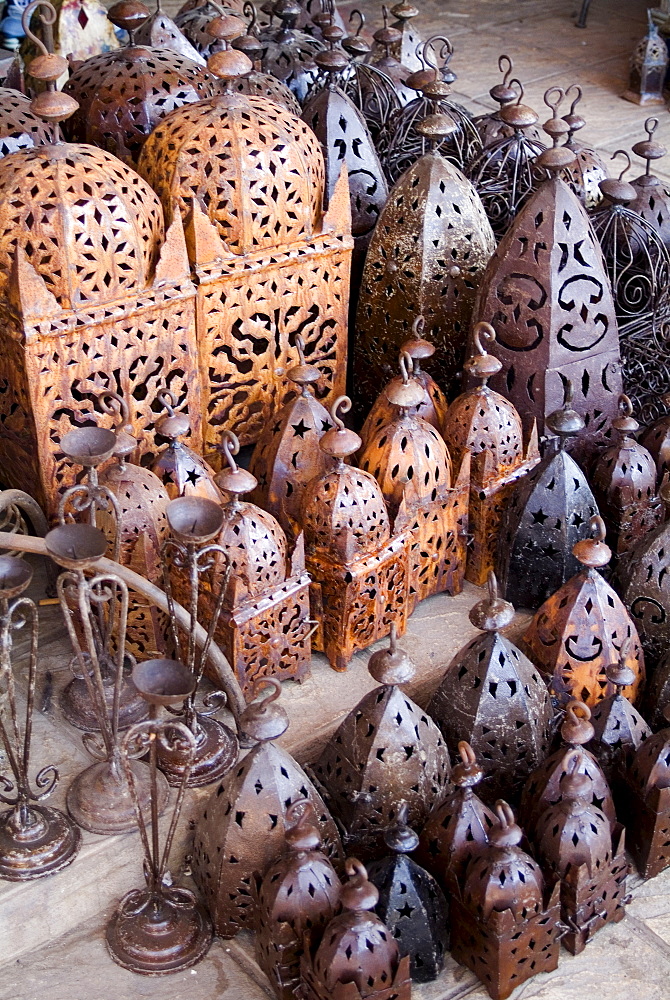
574,784
574,121
481,364
467,773
358,893
400,837
303,833
129,15
503,93
173,425
619,674
506,833
228,63
355,44
565,422
625,423
303,374
391,665
339,441
233,479
576,728
417,347
593,552
406,391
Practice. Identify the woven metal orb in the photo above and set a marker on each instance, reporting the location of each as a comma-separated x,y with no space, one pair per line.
160,31
619,729
493,697
653,198
646,810
182,472
288,53
547,513
579,631
411,903
242,828
588,170
19,127
386,750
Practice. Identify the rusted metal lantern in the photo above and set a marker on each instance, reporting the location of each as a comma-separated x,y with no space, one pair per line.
19,127
547,513
653,197
656,438
576,846
35,840
624,484
505,921
256,83
483,424
588,170
356,958
492,696
367,85
122,94
491,126
656,696
646,807
289,53
385,751
579,630
181,470
648,68
242,828
359,567
411,903
193,20
406,47
299,894
547,295
385,38
160,32
543,788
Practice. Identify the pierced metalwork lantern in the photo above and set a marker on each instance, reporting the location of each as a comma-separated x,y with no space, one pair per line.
181,470
242,828
588,170
459,826
579,631
255,82
385,751
547,295
357,957
406,47
299,894
193,20
547,513
358,565
656,438
160,32
648,67
646,807
385,38
653,196
411,903
574,844
367,85
483,424
288,54
619,729
504,915
19,127
492,696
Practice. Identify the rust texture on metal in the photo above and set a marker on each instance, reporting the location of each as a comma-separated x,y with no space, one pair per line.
35,839
505,920
576,846
242,828
181,470
359,567
656,438
385,751
20,128
160,32
385,38
372,91
356,957
411,903
588,170
548,512
288,53
579,631
193,20
648,68
656,695
406,44
646,806
256,82
300,893
547,295
653,198
491,126
482,423
493,696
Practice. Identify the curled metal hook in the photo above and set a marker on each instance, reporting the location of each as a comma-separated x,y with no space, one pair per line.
230,446
515,82
356,869
486,331
429,52
249,10
356,13
406,366
48,18
418,327
574,86
650,126
505,814
554,104
625,406
578,711
266,690
568,394
343,405
597,528
300,347
492,585
466,752
506,66
168,401
622,152
113,404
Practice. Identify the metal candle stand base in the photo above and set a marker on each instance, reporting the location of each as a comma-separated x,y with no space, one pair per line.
99,800
44,843
217,750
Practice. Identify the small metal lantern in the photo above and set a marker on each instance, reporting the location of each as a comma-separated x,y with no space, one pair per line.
483,424
653,196
368,86
624,484
406,48
548,512
35,840
386,750
619,729
19,127
648,67
505,923
656,696
288,54
646,807
574,844
357,957
583,176
181,470
458,827
300,893
256,83
411,903
385,38
493,697
160,32
491,126
579,630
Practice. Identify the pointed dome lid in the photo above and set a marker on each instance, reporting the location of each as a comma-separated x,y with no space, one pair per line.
625,472
616,721
651,764
263,719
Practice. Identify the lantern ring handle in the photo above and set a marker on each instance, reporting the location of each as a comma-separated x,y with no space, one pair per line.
578,711
574,86
622,152
230,446
483,331
468,755
650,126
356,13
505,65
47,16
406,367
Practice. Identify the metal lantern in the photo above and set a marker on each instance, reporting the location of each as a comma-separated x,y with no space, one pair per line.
483,424
358,565
300,893
193,20
648,67
503,915
368,86
405,49
457,828
160,32
181,470
656,438
288,54
19,127
256,82
653,196
588,170
242,828
646,808
493,697
385,38
385,751
574,844
656,696
491,126
619,729
411,903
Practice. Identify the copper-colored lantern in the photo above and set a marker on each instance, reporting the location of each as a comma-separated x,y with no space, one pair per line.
575,844
19,127
656,696
181,470
411,903
580,629
407,46
646,808
358,565
648,67
270,262
242,828
588,170
547,295
619,729
505,922
483,424
547,513
300,893
357,957
493,697
160,31
368,86
653,197
289,53
458,827
386,750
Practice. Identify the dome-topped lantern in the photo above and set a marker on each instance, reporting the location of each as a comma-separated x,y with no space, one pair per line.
492,696
579,630
547,294
648,68
646,809
503,913
406,47
483,424
181,470
20,128
288,54
256,83
93,295
385,751
412,465
653,196
588,170
491,126
358,565
270,262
